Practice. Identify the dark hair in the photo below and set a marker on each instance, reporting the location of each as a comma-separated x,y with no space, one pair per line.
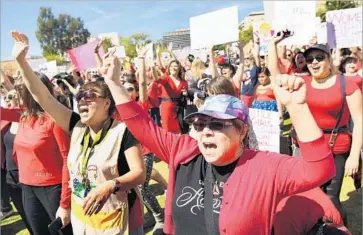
180,72
294,65
102,88
265,71
62,99
344,62
133,81
221,85
32,108
230,67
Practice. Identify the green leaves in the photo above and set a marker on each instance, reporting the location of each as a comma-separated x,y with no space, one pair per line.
57,35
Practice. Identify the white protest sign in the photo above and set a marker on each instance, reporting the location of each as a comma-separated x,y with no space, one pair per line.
201,54
264,31
325,34
214,28
266,127
36,64
184,53
347,26
150,51
112,36
296,16
120,52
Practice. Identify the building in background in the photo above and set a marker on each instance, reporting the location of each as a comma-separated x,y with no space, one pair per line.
180,38
253,17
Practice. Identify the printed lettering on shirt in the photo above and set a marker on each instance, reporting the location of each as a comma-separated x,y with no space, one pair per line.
194,198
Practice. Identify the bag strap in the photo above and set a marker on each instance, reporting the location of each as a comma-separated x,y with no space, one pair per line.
335,131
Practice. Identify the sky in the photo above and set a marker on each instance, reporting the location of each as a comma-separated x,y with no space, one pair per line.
124,17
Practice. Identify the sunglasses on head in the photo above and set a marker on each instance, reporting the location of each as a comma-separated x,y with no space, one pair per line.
214,125
9,97
130,89
87,96
319,58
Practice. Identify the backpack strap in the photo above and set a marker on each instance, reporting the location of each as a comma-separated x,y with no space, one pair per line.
335,131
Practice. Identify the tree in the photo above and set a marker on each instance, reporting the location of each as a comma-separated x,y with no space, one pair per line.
334,5
56,57
245,36
130,43
57,35
107,43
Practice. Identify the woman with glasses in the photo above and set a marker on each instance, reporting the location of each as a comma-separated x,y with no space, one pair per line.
8,133
216,186
41,149
104,161
331,109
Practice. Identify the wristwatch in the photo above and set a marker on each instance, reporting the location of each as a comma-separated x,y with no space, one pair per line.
117,186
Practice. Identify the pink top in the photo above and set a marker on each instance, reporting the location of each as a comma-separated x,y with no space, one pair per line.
272,175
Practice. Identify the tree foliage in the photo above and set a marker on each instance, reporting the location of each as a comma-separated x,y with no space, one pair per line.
332,5
56,57
245,36
107,43
130,43
57,35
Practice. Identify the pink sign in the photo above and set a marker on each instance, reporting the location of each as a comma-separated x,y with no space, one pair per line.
83,57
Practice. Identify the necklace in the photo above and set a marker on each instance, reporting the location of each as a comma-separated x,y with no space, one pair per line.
322,80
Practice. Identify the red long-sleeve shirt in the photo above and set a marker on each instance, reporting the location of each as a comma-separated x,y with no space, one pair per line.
259,181
41,150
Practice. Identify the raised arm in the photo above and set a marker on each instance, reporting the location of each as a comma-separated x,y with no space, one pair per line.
70,87
141,50
5,82
37,89
212,62
97,55
157,50
164,144
317,164
273,60
237,78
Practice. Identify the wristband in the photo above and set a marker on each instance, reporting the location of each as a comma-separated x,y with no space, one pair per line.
117,186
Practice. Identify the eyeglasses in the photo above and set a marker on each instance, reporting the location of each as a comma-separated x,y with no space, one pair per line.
212,125
130,89
319,58
88,96
9,97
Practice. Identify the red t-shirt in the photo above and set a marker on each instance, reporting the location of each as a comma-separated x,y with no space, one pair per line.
297,214
325,105
154,92
357,79
41,150
283,69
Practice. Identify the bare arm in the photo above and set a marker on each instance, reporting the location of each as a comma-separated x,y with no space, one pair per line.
70,87
59,113
354,102
97,56
237,78
212,62
141,52
4,80
273,63
337,57
256,52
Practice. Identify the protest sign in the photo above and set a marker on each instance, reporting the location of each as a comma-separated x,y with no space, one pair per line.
36,64
264,31
120,52
296,16
214,28
83,57
325,34
112,36
266,128
347,27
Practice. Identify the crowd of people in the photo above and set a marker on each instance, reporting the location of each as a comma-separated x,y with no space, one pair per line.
81,146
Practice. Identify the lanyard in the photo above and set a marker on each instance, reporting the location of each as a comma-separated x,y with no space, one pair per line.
98,138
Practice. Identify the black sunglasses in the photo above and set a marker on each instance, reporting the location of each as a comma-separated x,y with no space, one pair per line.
319,58
130,89
214,125
9,97
87,96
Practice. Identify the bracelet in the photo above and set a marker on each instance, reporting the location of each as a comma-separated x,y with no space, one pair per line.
96,52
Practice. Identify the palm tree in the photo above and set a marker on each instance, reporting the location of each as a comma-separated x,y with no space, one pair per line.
335,5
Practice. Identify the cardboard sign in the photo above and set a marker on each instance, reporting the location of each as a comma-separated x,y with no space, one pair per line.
83,57
325,34
264,31
214,28
266,127
120,52
296,16
347,27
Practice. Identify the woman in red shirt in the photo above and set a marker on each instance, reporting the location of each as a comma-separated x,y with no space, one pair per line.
173,89
104,162
242,187
325,100
41,149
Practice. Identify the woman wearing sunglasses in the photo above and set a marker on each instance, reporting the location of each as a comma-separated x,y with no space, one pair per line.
41,149
8,133
326,102
216,186
104,162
